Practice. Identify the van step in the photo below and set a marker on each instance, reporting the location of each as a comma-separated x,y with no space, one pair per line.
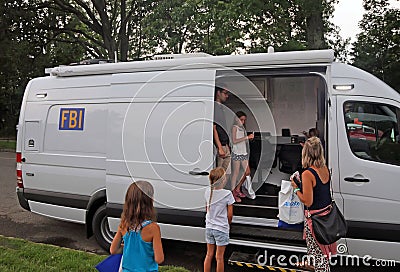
267,234
261,200
249,210
256,261
268,189
299,245
265,205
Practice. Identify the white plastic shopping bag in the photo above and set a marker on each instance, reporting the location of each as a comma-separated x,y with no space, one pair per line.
247,189
291,209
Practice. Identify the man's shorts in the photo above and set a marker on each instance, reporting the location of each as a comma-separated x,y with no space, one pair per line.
225,162
217,237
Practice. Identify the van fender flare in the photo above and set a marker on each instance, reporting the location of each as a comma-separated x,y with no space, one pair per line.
96,200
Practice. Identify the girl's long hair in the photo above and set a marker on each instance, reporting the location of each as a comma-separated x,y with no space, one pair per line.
215,176
138,205
313,153
238,115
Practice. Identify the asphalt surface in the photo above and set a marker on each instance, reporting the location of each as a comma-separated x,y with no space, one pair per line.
17,222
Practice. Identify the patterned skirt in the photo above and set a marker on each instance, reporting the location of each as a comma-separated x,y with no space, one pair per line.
317,258
237,157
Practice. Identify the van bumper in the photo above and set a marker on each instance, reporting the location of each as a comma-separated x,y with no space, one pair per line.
22,200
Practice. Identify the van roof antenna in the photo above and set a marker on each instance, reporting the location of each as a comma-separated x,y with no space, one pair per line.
271,49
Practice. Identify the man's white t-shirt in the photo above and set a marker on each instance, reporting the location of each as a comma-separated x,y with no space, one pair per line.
217,215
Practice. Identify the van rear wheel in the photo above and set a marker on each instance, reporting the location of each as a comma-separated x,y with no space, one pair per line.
101,229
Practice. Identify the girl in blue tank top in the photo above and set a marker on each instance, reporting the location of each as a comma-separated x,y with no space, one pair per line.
142,248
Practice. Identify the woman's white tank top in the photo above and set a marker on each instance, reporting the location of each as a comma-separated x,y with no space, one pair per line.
240,148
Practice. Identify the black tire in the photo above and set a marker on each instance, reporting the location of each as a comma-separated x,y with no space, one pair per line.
101,229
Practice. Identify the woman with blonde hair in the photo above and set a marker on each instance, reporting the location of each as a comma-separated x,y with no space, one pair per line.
316,195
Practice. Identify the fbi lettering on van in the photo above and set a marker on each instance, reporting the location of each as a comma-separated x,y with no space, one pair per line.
71,119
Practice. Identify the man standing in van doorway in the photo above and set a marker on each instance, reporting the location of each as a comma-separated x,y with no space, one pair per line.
221,138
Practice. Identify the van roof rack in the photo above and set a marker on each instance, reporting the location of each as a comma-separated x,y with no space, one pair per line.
82,62
91,61
204,61
181,56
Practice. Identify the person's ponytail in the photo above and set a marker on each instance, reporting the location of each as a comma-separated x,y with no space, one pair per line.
214,177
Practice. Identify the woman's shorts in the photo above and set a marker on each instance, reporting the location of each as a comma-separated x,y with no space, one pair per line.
217,237
236,157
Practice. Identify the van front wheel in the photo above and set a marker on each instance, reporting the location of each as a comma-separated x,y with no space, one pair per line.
101,229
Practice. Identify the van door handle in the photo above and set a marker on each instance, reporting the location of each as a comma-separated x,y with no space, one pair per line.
356,179
201,173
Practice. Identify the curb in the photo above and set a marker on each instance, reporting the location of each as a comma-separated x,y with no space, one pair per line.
7,150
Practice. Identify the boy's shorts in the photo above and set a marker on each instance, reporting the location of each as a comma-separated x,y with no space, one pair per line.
225,162
217,237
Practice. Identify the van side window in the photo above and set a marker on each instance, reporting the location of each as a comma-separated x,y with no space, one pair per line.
373,131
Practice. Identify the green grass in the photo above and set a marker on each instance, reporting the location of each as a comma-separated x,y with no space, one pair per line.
19,255
7,144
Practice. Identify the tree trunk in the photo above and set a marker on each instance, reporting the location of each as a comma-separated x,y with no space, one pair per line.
123,37
315,27
109,42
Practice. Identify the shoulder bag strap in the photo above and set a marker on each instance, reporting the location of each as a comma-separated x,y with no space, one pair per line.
330,180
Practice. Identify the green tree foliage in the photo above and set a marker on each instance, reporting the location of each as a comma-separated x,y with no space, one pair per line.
105,28
28,46
223,27
136,29
377,48
179,26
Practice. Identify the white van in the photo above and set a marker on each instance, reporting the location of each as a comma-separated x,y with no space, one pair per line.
87,131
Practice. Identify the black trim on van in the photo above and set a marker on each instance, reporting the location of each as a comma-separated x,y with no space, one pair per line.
373,231
22,200
55,198
114,210
166,216
241,232
181,217
303,71
356,229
